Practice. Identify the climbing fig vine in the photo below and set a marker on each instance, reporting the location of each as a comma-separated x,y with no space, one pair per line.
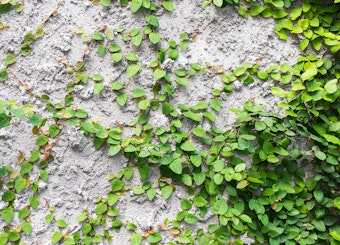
254,178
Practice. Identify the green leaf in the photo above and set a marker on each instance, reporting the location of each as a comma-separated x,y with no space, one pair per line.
243,11
41,140
117,57
295,13
101,208
209,116
3,236
154,238
132,70
182,81
34,202
7,214
121,99
97,77
193,116
187,180
319,225
26,168
319,154
26,227
199,132
168,5
8,196
154,37
116,224
82,217
61,223
166,191
273,159
242,184
136,239
137,190
10,59
20,184
36,120
335,234
218,3
3,75
13,236
220,207
138,92
117,86
117,185
278,91
331,86
246,218
5,8
101,50
137,40
97,36
158,74
135,5
216,104
240,167
24,213
200,201
56,237
196,160
240,70
114,48
49,218
186,204
190,219
98,87
114,150
151,193
54,130
105,3
132,57
309,73
152,20
176,166
188,146
318,195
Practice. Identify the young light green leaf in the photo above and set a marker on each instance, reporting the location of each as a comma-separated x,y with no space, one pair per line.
56,237
20,184
135,5
7,214
138,92
136,239
154,37
61,223
105,3
121,99
176,166
41,140
10,59
132,70
158,74
154,238
166,191
188,146
216,104
168,5
190,219
98,87
152,20
26,227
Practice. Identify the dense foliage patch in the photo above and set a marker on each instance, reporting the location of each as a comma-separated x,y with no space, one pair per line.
253,177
